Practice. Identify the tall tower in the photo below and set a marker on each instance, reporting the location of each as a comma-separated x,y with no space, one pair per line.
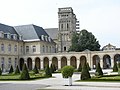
67,25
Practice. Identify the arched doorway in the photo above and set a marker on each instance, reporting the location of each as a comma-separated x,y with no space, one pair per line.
83,60
45,62
21,63
55,62
37,62
117,58
106,62
73,61
63,62
96,60
29,63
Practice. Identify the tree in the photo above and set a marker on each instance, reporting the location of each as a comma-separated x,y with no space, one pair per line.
35,70
88,66
17,70
67,72
11,69
115,68
25,73
80,68
52,68
99,71
0,71
85,75
48,71
84,40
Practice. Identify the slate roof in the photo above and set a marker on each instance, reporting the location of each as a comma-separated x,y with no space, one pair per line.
30,32
52,32
7,29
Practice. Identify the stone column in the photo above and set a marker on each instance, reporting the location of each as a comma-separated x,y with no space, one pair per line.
112,62
42,65
101,62
68,61
59,64
78,62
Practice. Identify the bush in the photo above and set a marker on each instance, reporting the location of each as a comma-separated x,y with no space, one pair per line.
115,68
67,71
25,73
48,71
0,71
17,70
99,71
88,67
11,69
35,70
85,75
51,68
80,68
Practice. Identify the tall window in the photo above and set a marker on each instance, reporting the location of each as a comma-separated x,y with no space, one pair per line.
15,62
2,63
2,47
9,63
34,48
9,47
43,49
62,26
67,26
27,49
15,48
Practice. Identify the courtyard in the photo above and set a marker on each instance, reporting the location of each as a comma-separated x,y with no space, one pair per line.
57,82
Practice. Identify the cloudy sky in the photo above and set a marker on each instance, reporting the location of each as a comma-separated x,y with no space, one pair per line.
101,17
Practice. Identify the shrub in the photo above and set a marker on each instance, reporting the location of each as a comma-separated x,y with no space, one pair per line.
85,75
99,71
35,70
88,67
115,68
25,73
11,69
54,67
67,71
51,68
48,71
0,71
80,68
17,70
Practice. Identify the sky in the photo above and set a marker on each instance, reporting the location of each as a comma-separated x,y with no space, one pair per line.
101,17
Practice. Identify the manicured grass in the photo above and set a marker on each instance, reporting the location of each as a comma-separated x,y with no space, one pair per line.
13,77
105,78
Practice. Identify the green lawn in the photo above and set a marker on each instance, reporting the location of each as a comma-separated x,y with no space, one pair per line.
108,78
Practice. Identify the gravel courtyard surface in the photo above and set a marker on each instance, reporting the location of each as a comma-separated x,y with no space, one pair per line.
57,83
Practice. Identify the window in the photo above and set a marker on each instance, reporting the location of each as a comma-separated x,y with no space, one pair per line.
9,63
67,26
43,49
2,63
15,62
9,47
64,48
27,49
2,47
61,26
15,48
34,48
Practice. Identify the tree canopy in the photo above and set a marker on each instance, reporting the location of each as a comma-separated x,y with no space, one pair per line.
84,40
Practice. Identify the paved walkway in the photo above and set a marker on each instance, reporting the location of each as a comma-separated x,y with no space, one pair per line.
57,82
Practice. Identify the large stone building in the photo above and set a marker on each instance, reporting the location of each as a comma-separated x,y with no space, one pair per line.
33,45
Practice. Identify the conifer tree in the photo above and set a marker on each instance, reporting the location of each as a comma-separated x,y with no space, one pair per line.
54,67
115,68
85,75
17,70
80,68
88,66
99,71
51,68
11,69
35,70
25,73
48,71
0,71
